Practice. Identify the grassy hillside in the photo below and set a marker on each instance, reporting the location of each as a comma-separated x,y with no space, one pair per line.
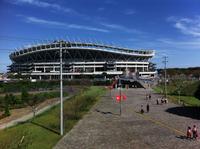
43,131
189,91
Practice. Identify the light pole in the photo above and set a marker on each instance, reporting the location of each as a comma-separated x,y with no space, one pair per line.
120,97
61,91
165,63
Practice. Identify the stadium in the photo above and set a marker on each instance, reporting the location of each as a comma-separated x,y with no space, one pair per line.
81,59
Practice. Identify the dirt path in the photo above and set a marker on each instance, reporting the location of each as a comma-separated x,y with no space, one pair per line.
24,114
103,128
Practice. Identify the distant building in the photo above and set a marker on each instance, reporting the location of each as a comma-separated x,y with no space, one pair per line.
1,76
4,77
80,59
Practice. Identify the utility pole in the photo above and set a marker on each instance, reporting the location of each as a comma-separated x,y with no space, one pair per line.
61,91
120,96
165,67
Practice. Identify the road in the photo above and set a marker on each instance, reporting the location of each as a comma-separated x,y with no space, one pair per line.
104,128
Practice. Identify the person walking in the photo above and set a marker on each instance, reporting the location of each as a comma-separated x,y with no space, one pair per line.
189,133
142,110
148,107
150,96
157,101
194,132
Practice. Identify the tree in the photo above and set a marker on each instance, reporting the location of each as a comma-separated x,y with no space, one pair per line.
197,93
25,97
30,101
12,99
6,106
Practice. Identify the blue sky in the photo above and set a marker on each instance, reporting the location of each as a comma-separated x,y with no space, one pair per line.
171,27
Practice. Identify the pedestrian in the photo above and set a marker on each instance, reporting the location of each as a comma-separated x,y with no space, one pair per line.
157,101
166,100
142,110
147,107
150,96
189,133
162,100
194,132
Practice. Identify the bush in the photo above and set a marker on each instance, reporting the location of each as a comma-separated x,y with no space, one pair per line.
80,104
6,106
197,92
31,86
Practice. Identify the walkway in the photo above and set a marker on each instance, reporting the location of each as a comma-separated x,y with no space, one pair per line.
103,128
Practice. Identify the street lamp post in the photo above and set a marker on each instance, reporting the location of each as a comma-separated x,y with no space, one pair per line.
165,63
61,92
120,97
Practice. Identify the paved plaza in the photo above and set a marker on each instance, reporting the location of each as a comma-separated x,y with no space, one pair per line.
104,128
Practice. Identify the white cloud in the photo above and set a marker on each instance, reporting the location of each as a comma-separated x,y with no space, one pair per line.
37,3
44,4
188,26
63,25
122,28
182,44
101,9
42,21
129,12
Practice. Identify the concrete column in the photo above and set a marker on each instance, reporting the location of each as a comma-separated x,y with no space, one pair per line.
136,68
83,68
94,68
40,77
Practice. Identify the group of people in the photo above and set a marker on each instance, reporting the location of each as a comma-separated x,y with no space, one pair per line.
161,101
147,108
148,96
192,132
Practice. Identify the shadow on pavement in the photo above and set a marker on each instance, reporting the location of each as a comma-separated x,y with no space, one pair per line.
102,112
182,137
40,125
192,112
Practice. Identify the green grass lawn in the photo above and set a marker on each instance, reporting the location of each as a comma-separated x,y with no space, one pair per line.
43,131
157,89
188,100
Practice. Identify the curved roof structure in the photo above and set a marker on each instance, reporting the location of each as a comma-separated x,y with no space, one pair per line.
72,47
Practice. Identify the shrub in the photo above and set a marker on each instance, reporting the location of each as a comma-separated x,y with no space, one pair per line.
6,106
197,92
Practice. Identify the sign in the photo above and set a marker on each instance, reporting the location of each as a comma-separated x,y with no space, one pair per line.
123,97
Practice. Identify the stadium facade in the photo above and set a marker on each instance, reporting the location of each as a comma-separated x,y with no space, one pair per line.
80,59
